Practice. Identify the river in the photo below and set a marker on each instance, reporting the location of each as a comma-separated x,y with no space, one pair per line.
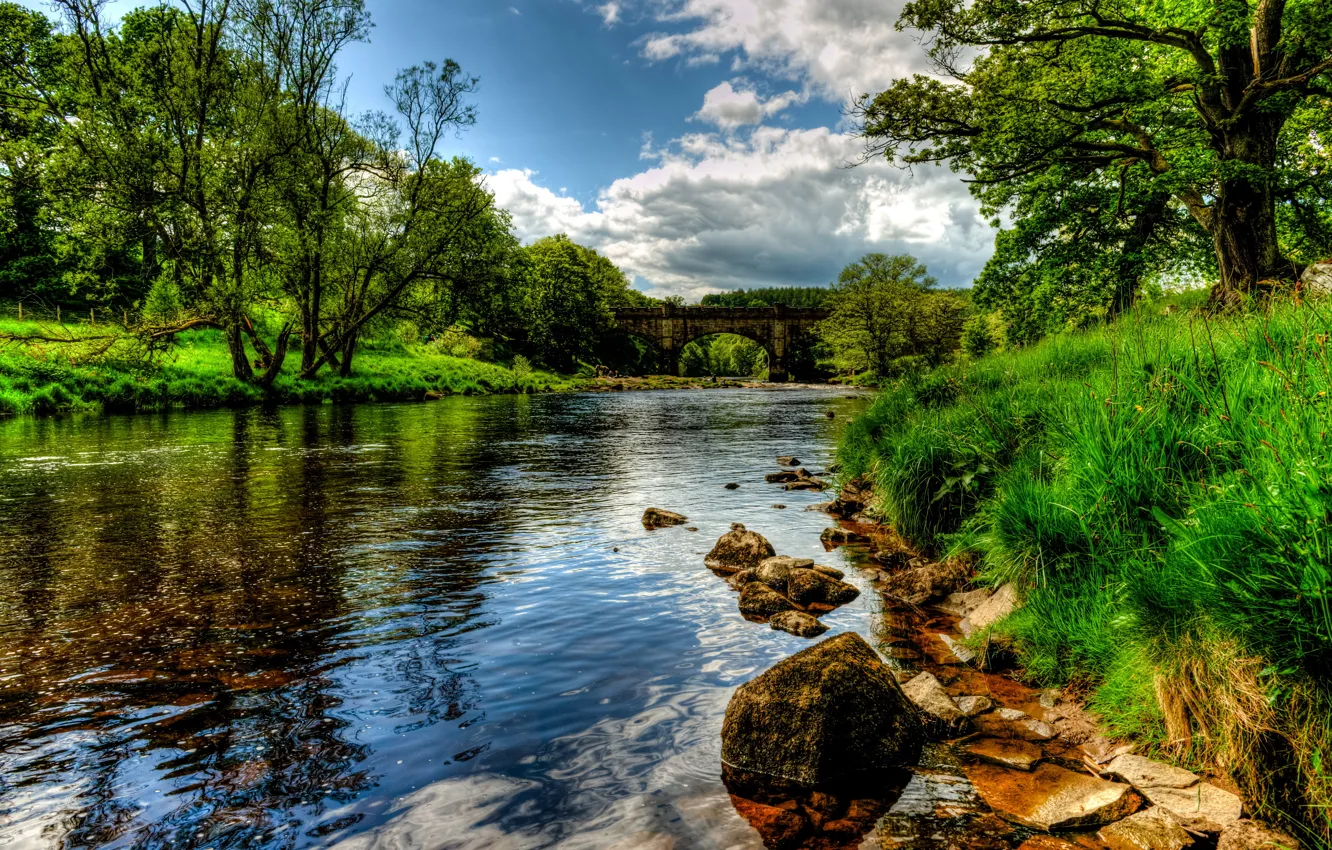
406,626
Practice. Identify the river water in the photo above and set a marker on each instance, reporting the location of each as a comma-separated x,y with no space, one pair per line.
390,626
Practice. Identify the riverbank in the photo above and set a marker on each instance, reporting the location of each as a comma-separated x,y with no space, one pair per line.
1156,492
55,377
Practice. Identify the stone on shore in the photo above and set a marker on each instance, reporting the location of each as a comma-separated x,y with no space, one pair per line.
941,715
992,610
776,571
1006,752
962,603
1051,798
739,549
1252,835
919,585
973,705
807,587
797,623
957,649
1198,805
759,600
658,518
833,710
1150,829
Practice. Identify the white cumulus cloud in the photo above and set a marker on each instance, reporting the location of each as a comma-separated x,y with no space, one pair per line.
774,207
729,107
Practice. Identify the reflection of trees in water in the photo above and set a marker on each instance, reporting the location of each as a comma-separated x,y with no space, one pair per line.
188,611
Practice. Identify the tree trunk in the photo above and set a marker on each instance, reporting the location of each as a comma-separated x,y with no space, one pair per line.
348,349
1133,253
240,361
1244,228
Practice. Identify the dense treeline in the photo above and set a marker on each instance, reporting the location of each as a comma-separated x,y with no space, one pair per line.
790,296
198,163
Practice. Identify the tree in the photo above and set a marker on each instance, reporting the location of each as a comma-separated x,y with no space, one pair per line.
884,308
565,300
1191,103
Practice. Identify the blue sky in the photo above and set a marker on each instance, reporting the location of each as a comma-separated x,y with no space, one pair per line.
700,144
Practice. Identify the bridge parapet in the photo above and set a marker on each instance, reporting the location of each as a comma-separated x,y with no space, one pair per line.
671,328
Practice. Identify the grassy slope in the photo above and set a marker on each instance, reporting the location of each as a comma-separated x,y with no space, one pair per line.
197,373
1161,491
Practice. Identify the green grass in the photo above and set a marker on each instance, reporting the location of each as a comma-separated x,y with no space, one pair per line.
1161,492
196,373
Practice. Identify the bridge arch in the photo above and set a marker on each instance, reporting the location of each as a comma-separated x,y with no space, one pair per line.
671,328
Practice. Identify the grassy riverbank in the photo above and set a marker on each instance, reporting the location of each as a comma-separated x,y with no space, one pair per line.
1161,492
54,377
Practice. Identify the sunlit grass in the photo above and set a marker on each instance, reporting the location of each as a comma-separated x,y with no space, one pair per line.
45,377
1161,490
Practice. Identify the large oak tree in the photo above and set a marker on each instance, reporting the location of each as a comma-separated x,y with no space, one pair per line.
1203,104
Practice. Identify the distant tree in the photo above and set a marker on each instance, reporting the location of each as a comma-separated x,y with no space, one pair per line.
674,300
565,305
790,296
884,308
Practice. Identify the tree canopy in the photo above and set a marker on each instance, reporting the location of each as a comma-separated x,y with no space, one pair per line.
1125,137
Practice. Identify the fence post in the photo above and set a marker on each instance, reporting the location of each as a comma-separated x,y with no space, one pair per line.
20,311
92,316
58,322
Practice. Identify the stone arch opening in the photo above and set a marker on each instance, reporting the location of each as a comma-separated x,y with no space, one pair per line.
725,354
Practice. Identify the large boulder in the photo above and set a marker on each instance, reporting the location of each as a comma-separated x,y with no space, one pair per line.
776,571
807,587
1252,835
1052,798
828,712
659,518
992,610
759,600
739,549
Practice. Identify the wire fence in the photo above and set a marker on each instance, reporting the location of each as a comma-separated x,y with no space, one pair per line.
42,312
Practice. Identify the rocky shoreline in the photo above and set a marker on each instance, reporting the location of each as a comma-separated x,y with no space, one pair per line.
939,707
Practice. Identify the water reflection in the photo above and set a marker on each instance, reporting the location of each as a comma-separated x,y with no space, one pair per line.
396,626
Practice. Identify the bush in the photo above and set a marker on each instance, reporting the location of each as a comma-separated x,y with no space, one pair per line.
522,367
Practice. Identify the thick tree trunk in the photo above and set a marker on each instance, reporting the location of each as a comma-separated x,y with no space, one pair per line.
1244,228
348,349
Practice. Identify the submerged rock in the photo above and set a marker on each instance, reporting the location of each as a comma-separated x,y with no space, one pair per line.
658,518
797,623
807,587
1005,752
992,610
830,711
1252,835
759,600
1050,798
838,536
1150,829
739,549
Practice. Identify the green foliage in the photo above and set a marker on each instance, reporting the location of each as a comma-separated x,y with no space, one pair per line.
791,296
1159,490
723,355
884,309
565,299
981,335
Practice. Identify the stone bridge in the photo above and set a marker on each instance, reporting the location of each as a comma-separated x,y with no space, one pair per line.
671,328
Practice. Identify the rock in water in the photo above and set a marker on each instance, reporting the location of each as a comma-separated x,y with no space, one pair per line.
1006,752
828,571
941,715
1151,829
807,587
831,711
1051,798
839,536
787,460
732,486
776,571
658,518
739,549
759,600
740,579
797,623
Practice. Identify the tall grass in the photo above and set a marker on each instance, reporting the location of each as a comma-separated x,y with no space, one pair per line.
1161,492
197,374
